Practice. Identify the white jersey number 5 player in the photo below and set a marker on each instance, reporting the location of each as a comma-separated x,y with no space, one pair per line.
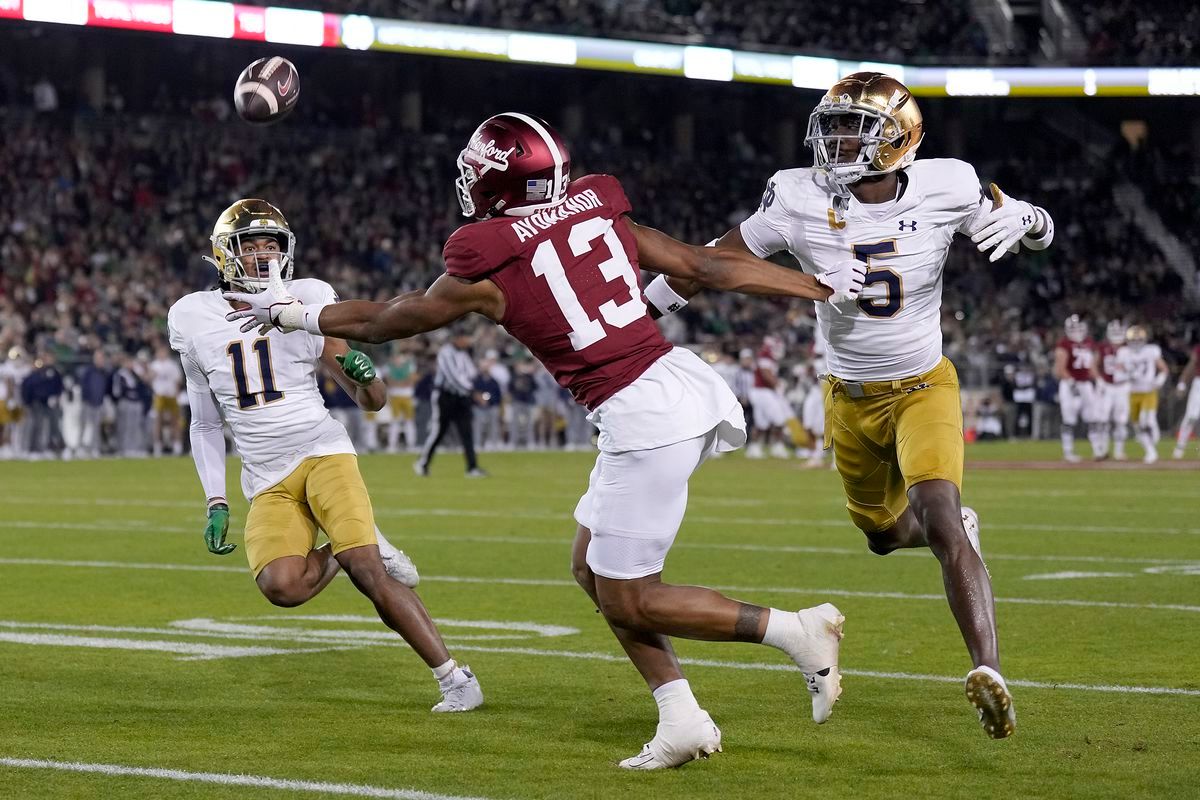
893,413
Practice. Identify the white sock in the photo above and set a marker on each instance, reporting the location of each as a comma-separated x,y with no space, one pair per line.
445,673
675,700
781,629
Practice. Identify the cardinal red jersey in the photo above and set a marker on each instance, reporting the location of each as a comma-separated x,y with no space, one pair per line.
1110,370
571,286
1080,357
766,369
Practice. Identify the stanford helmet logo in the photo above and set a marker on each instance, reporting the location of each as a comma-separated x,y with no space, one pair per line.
489,153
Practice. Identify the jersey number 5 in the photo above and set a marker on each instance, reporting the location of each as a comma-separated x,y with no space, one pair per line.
586,331
893,298
237,357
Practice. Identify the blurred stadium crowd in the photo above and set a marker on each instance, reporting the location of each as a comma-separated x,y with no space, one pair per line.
1117,32
104,214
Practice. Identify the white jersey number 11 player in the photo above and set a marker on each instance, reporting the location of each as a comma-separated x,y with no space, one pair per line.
893,413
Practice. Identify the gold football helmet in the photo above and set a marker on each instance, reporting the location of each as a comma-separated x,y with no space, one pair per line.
866,124
249,219
1137,335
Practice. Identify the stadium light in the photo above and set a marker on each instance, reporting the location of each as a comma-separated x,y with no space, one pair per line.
225,20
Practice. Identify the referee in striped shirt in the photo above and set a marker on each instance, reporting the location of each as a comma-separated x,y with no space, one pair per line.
454,403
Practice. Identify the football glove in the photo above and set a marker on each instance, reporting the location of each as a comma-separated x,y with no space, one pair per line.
218,526
844,279
357,366
266,307
1005,225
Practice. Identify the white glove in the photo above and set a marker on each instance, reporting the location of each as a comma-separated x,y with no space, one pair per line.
844,279
1005,225
274,307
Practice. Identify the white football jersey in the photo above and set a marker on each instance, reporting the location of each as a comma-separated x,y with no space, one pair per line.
166,377
894,330
1142,365
266,386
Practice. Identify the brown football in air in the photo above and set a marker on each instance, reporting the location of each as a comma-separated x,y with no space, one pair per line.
267,91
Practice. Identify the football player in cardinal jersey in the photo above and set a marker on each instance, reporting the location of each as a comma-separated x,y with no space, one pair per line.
1190,375
1112,393
299,469
893,412
555,261
1147,374
770,409
1075,370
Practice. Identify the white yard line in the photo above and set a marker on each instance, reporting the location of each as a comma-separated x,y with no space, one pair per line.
226,779
353,639
558,582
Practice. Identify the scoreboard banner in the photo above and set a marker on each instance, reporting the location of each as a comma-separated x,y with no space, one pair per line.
291,26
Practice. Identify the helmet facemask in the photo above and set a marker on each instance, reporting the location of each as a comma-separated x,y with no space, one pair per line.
837,126
242,270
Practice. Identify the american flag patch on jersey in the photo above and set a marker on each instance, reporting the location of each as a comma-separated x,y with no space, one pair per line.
537,189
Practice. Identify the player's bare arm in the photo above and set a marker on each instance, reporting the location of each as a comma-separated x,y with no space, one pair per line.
1060,364
733,270
446,300
355,373
1188,374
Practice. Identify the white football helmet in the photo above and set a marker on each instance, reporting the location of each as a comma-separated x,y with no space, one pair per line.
1076,328
1115,332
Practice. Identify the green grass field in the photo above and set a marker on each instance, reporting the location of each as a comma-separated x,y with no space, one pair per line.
123,642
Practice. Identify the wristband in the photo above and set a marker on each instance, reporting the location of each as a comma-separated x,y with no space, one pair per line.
297,317
664,299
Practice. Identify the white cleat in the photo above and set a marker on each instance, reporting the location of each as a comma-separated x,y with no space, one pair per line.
1150,457
396,564
815,651
755,450
1177,453
780,450
463,695
989,694
1072,458
674,744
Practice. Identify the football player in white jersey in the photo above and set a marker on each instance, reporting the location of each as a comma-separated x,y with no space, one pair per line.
1147,374
166,379
893,412
299,468
1189,376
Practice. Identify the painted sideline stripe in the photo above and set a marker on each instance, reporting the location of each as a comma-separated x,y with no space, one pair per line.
227,779
941,598
899,676
565,542
355,639
565,516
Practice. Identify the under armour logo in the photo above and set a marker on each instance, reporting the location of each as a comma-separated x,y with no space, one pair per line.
1027,219
912,226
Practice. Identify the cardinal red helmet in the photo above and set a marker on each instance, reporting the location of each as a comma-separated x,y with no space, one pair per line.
514,164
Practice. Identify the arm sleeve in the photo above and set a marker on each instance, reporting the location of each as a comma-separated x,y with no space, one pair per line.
208,440
766,230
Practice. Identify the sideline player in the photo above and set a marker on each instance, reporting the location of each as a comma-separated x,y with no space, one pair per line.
166,380
1147,374
1190,375
1075,370
893,411
771,410
299,469
1112,394
555,261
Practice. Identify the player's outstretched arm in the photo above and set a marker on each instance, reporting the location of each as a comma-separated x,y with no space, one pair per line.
448,299
354,372
733,270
